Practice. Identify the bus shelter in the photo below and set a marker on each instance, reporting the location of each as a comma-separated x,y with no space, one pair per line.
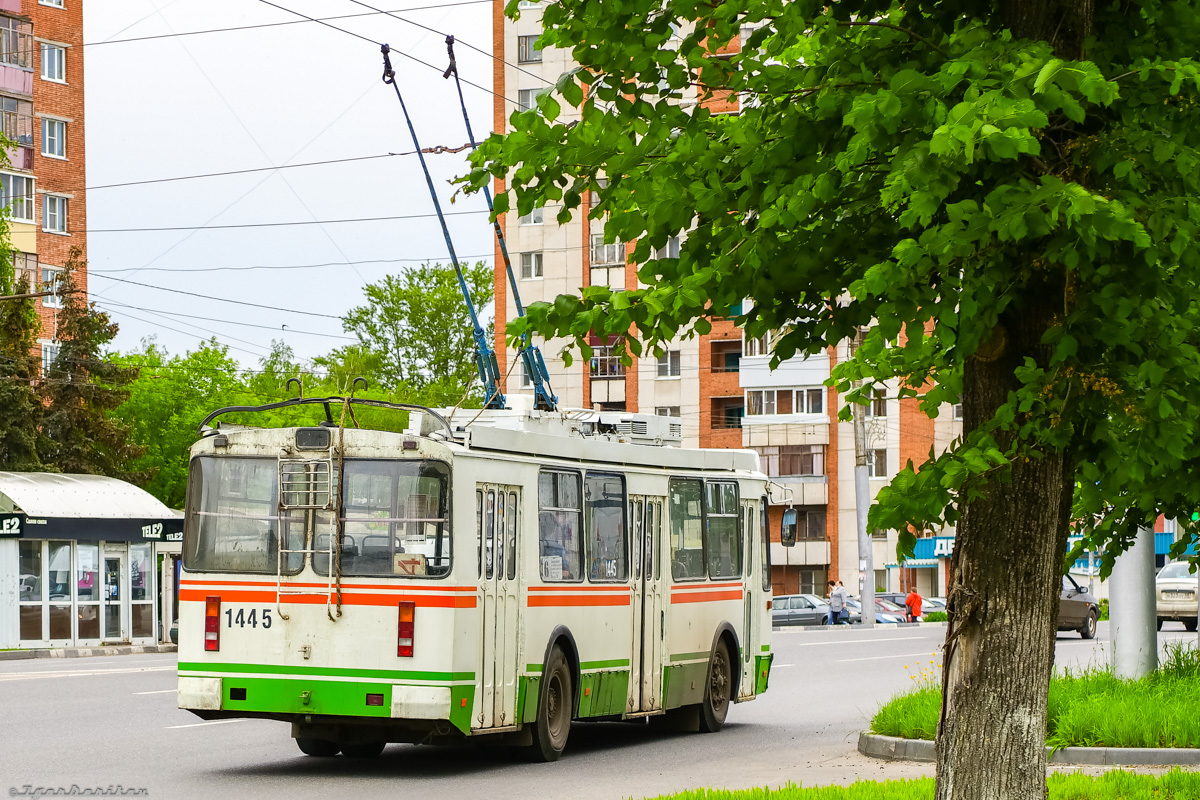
84,560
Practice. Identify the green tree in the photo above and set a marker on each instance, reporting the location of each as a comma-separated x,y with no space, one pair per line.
82,388
416,325
1009,190
21,409
166,403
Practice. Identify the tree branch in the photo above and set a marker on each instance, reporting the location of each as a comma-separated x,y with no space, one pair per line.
905,31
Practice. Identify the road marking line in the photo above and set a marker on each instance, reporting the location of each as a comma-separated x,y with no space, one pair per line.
200,724
781,666
160,691
854,641
877,658
18,676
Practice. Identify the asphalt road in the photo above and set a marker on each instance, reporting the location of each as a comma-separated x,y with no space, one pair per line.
103,722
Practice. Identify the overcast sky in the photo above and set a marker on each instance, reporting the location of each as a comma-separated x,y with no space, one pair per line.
267,97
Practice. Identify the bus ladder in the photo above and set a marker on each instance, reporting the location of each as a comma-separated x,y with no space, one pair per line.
306,486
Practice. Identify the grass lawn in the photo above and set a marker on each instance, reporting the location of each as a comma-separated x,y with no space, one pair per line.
1117,785
1087,709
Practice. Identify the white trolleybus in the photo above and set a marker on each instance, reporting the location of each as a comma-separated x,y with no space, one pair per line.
498,579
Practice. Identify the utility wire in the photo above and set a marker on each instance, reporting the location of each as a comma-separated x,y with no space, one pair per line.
380,44
276,224
277,266
210,331
186,333
431,150
281,329
221,299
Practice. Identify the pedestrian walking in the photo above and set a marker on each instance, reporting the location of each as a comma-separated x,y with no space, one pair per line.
913,604
844,616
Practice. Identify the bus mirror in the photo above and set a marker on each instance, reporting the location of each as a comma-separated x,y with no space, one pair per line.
787,529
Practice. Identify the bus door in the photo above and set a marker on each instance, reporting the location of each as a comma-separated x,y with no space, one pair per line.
645,514
752,594
496,686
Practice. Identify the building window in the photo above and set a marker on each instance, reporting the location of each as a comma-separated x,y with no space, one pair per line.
794,459
26,265
958,411
877,463
16,42
526,378
49,283
761,401
16,117
525,5
812,581
527,98
54,137
727,412
878,405
54,213
606,366
603,255
54,62
534,217
531,265
16,193
667,411
49,354
810,401
669,250
757,346
668,364
54,3
527,50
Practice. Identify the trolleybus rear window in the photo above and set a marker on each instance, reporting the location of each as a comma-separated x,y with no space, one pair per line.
233,520
396,520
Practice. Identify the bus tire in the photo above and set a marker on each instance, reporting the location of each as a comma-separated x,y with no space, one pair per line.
555,702
717,690
319,748
363,750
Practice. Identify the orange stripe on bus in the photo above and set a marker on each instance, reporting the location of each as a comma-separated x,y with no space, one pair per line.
703,587
578,600
704,597
348,598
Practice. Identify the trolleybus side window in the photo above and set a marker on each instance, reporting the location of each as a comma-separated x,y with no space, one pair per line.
560,519
512,535
233,519
489,534
687,529
722,532
765,537
607,544
395,516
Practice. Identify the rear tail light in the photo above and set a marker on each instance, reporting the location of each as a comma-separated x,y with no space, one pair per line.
212,622
404,632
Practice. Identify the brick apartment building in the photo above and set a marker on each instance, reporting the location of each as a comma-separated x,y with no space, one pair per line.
719,386
41,97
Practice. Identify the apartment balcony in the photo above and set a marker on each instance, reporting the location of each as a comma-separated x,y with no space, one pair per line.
801,490
806,553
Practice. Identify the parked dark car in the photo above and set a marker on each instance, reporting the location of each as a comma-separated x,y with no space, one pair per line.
798,609
1077,609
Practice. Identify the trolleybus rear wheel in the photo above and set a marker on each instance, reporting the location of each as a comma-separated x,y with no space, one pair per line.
364,750
555,701
716,693
321,748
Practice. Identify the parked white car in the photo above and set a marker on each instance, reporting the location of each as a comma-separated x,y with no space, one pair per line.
1175,591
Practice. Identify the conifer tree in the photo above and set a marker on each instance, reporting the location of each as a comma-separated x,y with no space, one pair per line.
21,409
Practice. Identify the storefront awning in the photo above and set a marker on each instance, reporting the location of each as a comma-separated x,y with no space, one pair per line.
915,563
43,505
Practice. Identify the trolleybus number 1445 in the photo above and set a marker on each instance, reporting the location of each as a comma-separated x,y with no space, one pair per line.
241,619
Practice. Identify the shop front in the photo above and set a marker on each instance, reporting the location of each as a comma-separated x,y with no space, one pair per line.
81,561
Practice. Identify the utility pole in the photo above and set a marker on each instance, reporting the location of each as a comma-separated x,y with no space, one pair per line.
1131,609
862,504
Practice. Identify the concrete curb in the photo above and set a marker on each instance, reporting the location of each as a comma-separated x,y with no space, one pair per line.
891,748
882,627
85,652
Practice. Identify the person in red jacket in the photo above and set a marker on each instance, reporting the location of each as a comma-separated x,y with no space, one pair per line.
913,604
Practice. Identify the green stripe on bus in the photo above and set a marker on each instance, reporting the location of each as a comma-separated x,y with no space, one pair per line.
766,648
688,656
276,669
613,662
533,667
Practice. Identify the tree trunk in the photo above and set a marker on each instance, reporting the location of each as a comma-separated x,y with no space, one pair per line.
1004,594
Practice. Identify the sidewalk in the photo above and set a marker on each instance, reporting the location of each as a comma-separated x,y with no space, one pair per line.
84,652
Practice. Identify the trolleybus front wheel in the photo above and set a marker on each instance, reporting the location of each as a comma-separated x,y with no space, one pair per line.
554,709
321,748
716,693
